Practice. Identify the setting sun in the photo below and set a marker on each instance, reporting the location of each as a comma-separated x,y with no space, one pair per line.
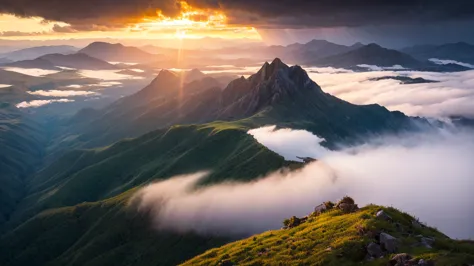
190,23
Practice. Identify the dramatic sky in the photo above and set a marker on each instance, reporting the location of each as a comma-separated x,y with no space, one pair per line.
396,22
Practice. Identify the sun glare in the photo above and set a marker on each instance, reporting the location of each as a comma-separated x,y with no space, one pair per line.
195,23
191,23
180,34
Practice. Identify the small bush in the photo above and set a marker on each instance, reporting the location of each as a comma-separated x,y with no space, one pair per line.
347,200
292,222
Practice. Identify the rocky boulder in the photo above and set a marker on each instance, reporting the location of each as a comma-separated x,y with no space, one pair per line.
388,242
374,250
328,205
383,216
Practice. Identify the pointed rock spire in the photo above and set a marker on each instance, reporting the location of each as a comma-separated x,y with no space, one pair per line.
268,70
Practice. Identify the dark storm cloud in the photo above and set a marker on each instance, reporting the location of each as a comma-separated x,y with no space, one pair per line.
259,13
332,13
87,14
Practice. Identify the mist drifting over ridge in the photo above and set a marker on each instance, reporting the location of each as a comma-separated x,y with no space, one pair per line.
428,175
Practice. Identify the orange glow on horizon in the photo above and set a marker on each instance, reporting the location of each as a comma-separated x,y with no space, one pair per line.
192,23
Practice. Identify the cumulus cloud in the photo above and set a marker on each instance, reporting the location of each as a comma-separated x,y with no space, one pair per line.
452,95
427,175
38,103
61,93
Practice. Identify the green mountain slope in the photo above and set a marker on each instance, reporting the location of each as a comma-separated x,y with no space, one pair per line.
97,234
21,150
98,228
338,238
93,175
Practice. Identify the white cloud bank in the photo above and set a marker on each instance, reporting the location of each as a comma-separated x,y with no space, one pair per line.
38,103
61,93
452,95
429,176
35,72
108,75
5,86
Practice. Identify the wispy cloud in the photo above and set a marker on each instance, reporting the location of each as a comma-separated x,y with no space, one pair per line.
445,62
38,103
378,68
61,93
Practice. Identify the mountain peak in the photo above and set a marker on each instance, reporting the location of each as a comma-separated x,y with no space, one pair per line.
357,45
373,46
166,74
104,44
269,70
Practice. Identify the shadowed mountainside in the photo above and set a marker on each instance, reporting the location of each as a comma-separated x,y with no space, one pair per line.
276,94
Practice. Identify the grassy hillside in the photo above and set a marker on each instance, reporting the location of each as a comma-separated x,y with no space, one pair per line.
21,150
84,194
97,234
338,238
93,175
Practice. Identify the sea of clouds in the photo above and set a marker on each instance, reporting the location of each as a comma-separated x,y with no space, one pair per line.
451,95
429,175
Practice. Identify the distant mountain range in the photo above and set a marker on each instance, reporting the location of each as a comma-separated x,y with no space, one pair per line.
324,53
461,51
54,61
371,54
118,53
314,53
35,52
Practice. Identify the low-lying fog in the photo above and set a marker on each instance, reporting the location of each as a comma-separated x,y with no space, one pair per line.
35,72
429,175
